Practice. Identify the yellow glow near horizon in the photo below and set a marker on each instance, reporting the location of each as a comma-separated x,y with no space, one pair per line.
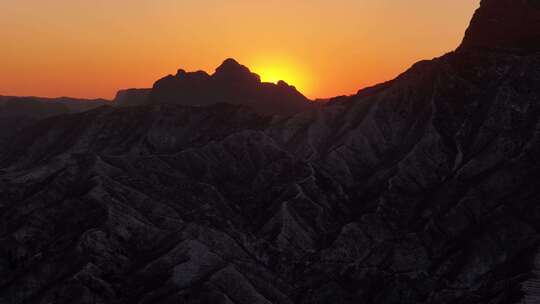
292,74
82,48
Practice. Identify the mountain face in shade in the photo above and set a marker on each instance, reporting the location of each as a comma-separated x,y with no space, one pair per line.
73,105
423,189
131,97
32,107
511,25
231,83
19,112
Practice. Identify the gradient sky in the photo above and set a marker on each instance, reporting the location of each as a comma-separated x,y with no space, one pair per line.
85,48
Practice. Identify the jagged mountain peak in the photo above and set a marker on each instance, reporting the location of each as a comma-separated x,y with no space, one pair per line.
230,64
232,71
231,83
507,25
197,74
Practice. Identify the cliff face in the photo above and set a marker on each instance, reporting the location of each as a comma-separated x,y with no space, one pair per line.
511,25
131,97
423,189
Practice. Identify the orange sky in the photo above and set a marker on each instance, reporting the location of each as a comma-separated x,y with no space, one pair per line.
84,48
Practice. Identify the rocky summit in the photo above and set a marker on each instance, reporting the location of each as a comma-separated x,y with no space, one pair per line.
423,189
231,83
511,25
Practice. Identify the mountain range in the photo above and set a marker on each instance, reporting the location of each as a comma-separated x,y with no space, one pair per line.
223,189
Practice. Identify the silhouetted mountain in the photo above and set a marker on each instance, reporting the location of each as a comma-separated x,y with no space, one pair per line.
423,189
73,104
505,25
231,83
131,97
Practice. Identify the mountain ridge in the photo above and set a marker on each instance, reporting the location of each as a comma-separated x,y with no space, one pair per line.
231,83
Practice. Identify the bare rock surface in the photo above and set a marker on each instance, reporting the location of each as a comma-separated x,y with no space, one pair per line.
131,97
510,25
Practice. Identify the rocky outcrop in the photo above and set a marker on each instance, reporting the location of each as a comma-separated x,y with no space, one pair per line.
231,83
131,97
505,25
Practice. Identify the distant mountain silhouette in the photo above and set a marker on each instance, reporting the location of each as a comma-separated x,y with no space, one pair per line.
231,83
72,104
131,97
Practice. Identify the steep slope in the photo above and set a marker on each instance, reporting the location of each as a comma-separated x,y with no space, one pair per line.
129,131
440,165
199,211
505,25
423,189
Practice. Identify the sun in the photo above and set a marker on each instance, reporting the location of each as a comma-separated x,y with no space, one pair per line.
276,70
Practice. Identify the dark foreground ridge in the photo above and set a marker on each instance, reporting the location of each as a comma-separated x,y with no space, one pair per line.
424,189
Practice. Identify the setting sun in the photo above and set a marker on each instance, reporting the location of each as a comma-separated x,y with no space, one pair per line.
92,49
274,71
